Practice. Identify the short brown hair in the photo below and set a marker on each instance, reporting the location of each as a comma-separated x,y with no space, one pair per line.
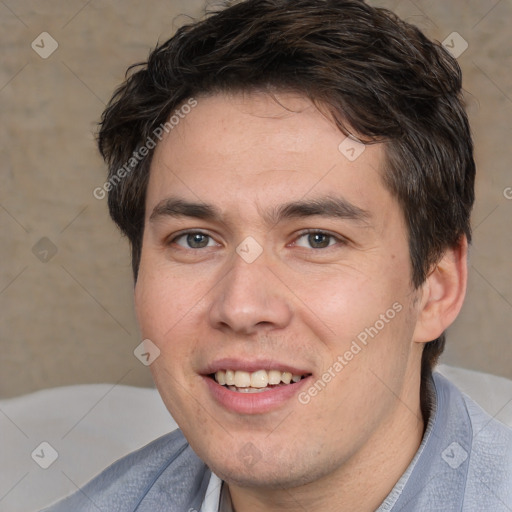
379,77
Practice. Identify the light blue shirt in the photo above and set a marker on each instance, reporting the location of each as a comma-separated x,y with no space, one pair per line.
464,463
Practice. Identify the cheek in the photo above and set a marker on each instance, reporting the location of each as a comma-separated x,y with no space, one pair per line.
364,316
344,302
171,310
167,313
163,300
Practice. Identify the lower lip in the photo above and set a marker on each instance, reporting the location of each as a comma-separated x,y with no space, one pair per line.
254,403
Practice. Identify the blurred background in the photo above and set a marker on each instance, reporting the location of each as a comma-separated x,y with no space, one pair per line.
65,279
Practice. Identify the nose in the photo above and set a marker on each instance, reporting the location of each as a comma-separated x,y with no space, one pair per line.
249,299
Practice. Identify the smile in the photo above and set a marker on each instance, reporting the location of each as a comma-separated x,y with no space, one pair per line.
252,390
255,382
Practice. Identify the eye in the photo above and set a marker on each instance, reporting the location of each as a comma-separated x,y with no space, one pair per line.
194,240
316,240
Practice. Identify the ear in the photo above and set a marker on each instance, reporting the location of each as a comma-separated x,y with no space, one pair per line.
442,294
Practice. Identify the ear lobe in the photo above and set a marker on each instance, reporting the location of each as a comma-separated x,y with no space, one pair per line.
442,294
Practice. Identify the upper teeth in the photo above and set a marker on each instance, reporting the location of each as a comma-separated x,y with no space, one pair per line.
257,379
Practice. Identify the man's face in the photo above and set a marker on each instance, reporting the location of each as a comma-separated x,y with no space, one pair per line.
294,258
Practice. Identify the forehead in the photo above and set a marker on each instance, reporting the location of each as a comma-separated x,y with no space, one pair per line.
259,149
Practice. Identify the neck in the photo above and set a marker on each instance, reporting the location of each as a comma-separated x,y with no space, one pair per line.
380,463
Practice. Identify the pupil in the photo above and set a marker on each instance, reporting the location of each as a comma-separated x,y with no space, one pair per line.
197,240
318,240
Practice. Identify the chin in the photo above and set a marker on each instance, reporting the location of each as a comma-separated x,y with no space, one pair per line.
276,474
262,478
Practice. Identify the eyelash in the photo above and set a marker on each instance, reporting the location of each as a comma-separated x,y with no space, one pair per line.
185,234
338,239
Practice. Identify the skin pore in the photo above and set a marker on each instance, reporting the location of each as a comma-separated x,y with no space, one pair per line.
332,258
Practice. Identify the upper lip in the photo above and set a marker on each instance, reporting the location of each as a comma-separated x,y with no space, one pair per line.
252,365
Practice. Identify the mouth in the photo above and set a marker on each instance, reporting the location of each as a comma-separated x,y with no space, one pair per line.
254,386
259,381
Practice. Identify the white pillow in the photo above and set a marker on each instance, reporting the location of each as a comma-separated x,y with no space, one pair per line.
492,393
90,426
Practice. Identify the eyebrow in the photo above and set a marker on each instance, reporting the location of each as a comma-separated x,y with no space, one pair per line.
172,207
333,207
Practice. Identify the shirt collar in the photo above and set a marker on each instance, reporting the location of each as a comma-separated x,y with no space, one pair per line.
436,477
437,471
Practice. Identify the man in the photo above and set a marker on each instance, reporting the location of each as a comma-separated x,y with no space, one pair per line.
296,180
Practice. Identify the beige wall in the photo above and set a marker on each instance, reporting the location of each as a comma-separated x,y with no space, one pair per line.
70,320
